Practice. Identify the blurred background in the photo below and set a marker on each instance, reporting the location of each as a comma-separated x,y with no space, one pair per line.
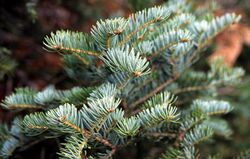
24,62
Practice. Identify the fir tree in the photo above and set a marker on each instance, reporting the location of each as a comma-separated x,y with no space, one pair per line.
137,67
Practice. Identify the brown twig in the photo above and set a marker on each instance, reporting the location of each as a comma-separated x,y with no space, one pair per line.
24,106
81,59
191,89
138,29
76,50
153,92
164,134
163,48
179,138
108,41
85,133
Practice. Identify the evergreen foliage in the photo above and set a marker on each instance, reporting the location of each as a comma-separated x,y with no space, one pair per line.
142,59
7,65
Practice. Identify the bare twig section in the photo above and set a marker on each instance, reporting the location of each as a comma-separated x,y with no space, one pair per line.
37,127
167,46
81,59
191,89
153,92
79,51
108,42
179,138
24,106
163,134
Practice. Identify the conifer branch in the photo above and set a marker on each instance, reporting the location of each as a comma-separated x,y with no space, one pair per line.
128,37
215,83
74,127
104,30
167,46
89,117
85,133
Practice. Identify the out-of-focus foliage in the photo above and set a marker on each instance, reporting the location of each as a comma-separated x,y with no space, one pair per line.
7,64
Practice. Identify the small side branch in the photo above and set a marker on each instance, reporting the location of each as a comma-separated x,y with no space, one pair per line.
24,106
163,134
126,39
191,89
79,51
81,59
153,92
167,46
85,133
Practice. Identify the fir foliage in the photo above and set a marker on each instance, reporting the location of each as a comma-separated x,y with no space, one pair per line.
143,61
